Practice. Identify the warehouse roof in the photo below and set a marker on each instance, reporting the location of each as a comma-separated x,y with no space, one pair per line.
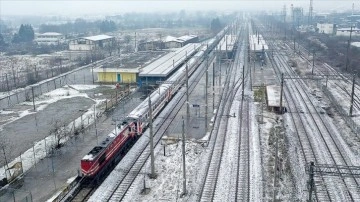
169,62
98,37
257,43
50,34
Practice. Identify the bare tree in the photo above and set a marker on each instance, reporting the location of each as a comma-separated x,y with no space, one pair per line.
127,39
5,151
13,63
60,132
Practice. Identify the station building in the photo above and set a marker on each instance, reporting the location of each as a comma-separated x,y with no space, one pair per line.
171,42
125,70
228,46
49,38
258,47
161,69
91,43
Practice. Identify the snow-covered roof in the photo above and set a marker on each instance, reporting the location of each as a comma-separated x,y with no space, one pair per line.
98,37
257,43
166,64
348,29
186,38
119,70
169,38
181,39
50,34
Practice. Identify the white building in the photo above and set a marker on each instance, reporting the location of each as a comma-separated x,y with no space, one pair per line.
91,43
347,31
326,28
171,42
49,38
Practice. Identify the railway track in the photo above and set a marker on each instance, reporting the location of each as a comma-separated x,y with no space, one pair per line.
298,120
243,169
229,141
126,175
208,191
328,139
342,81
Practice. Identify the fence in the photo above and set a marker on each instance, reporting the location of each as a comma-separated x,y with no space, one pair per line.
81,75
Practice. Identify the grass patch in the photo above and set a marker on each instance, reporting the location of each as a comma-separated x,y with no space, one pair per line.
259,94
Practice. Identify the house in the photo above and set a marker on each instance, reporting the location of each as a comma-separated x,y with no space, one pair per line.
91,43
171,42
326,28
49,38
117,75
150,45
347,31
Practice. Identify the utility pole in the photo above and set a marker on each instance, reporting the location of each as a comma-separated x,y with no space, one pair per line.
206,99
92,72
294,43
183,157
96,134
153,174
311,180
281,92
7,83
352,96
284,13
313,61
33,97
250,76
219,72
213,84
310,12
243,80
342,171
347,50
187,101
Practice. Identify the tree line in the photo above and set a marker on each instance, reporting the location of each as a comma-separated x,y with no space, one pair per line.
80,26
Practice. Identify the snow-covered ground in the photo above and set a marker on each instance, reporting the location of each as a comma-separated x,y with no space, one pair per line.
41,148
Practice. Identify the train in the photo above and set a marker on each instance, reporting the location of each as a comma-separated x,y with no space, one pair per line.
109,152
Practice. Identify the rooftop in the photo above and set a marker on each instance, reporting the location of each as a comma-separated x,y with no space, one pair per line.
257,43
98,37
130,63
50,34
166,64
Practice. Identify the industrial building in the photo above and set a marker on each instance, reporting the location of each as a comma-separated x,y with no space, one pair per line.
168,42
91,43
125,70
258,47
49,38
326,28
171,42
162,68
347,31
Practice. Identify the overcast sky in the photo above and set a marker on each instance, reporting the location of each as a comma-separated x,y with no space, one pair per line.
88,7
